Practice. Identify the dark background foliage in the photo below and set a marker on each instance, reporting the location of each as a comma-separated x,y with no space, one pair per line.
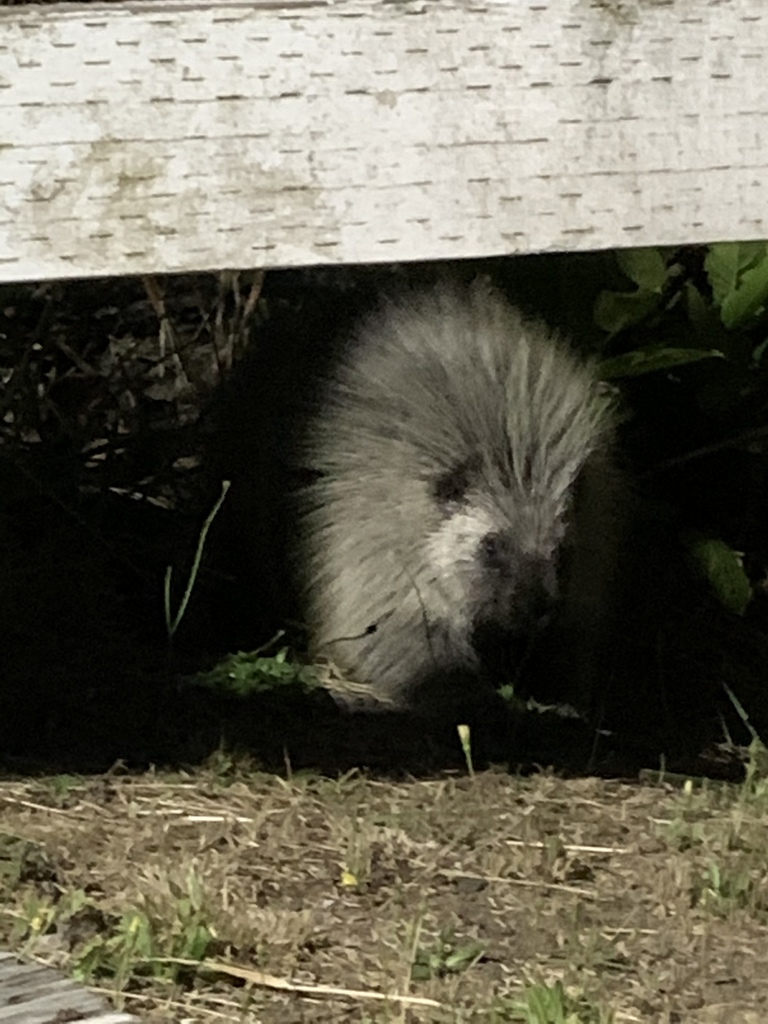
125,402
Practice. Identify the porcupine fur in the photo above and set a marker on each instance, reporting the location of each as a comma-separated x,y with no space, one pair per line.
461,491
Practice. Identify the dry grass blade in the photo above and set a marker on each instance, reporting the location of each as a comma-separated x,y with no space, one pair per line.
264,980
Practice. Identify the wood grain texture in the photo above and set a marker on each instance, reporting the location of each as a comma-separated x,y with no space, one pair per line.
33,994
173,136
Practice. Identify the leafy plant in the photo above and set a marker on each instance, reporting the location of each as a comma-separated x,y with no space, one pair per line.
445,956
733,286
243,674
145,940
550,1004
719,295
738,276
648,270
725,888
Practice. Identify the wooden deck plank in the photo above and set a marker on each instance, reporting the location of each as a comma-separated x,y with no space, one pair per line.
146,136
35,994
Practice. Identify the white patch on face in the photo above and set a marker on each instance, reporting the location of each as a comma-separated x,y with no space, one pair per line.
457,540
451,564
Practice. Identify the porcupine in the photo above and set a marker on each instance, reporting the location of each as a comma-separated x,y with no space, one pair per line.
462,489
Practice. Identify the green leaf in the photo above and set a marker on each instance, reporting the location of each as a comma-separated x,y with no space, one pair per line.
646,267
724,570
614,311
722,267
749,298
700,310
463,957
738,275
647,360
751,252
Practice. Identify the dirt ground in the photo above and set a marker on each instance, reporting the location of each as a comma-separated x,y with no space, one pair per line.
367,900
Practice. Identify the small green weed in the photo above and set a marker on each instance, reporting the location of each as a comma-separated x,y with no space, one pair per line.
139,942
465,738
549,1004
755,787
145,938
243,674
356,869
445,956
726,888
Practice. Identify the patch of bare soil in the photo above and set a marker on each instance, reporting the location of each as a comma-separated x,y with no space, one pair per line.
365,900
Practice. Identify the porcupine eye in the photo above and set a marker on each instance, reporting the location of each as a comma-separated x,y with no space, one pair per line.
450,488
494,551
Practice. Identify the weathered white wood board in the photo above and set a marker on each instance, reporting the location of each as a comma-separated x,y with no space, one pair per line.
33,994
169,136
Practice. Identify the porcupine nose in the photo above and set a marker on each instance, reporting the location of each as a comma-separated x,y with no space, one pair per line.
525,602
538,591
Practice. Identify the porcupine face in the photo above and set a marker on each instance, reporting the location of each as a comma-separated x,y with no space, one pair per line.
504,542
